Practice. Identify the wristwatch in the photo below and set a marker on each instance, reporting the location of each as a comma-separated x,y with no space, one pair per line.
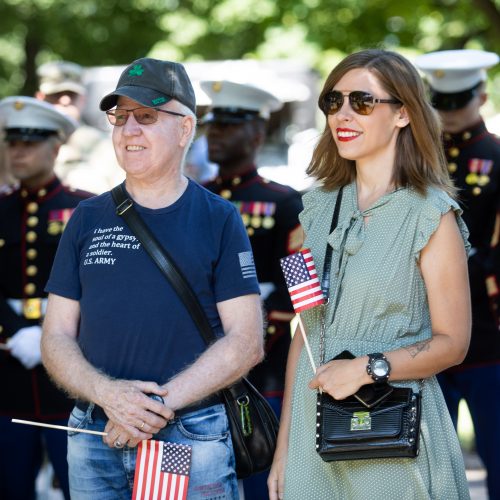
378,367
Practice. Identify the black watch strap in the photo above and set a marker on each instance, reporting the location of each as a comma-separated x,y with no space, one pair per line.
379,374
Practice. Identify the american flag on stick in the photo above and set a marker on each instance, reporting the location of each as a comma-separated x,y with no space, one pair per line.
161,471
302,280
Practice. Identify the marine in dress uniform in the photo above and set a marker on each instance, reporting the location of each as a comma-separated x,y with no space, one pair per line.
87,160
236,127
32,220
457,84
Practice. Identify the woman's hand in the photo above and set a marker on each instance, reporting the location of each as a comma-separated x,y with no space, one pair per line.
276,478
342,377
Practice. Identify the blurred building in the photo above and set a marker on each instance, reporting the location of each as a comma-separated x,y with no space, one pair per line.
292,130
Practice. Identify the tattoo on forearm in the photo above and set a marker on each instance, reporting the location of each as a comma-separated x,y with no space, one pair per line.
417,348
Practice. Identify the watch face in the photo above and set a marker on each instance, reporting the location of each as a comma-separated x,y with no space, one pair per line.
380,368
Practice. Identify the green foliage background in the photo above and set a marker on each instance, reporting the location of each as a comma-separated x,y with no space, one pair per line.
320,32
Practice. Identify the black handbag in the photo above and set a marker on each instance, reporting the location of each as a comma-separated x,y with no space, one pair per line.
349,430
252,421
353,428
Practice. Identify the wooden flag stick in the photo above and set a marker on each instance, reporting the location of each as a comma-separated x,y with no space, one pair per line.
61,427
306,343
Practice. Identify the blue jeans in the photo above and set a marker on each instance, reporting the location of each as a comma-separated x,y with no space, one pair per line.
480,387
97,472
21,455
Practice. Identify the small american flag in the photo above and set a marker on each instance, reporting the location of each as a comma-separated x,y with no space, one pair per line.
302,280
161,471
247,265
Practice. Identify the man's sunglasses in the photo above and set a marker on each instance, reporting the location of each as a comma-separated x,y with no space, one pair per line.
361,102
145,116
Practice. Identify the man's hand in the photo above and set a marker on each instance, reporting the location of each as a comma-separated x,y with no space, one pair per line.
119,436
127,404
156,416
25,346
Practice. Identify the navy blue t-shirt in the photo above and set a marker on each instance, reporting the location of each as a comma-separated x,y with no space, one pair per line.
133,324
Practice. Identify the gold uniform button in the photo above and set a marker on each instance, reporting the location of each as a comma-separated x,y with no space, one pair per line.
42,193
225,193
452,168
1,329
454,152
250,231
31,253
2,242
466,136
271,329
31,270
32,221
29,289
24,193
447,136
236,181
31,236
476,191
32,207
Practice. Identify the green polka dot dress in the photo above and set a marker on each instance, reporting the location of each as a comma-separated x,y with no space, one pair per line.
380,305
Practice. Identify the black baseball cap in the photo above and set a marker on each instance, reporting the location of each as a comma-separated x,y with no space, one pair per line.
152,82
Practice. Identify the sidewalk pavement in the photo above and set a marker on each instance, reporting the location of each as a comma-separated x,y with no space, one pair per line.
476,476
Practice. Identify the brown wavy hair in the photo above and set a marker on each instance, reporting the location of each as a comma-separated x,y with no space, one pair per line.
419,161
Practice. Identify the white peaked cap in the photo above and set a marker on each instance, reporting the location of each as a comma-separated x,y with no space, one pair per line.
32,118
227,94
451,71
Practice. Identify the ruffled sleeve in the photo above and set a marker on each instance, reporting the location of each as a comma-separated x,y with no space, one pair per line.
437,204
315,202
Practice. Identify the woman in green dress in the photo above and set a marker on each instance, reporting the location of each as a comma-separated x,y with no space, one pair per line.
399,297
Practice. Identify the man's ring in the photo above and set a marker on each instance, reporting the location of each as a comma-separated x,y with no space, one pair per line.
142,425
118,444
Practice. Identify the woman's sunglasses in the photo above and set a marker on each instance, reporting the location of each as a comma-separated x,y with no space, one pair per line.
361,102
144,116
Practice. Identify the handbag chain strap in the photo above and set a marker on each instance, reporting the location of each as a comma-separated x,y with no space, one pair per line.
325,281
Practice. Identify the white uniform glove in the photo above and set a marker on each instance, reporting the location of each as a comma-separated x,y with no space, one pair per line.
25,346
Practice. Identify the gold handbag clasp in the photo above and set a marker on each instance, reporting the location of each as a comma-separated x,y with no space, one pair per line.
361,421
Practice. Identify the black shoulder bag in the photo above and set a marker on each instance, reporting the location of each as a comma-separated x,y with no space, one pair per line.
354,428
252,421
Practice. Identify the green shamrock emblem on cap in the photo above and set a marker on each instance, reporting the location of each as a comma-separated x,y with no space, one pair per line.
159,100
137,70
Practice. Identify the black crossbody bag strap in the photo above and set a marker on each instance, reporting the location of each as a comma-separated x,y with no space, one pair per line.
125,209
252,421
325,282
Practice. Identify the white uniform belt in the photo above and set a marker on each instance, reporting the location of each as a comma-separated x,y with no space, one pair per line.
266,289
18,305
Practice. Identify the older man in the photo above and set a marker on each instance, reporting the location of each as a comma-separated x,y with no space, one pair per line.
32,220
116,331
87,160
